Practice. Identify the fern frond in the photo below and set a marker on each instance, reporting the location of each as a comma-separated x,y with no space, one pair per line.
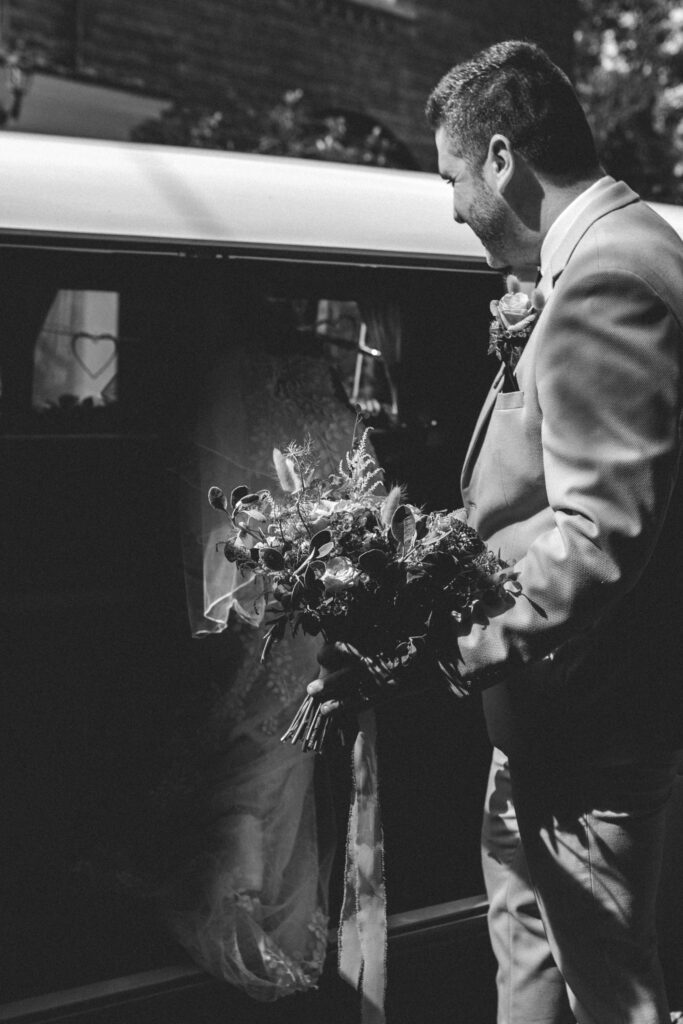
358,471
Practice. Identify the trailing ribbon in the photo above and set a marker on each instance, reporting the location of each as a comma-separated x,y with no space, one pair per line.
363,924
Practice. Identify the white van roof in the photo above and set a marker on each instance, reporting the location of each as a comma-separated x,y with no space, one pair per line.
77,191
90,193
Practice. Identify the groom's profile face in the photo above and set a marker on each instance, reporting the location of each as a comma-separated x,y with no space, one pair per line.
475,203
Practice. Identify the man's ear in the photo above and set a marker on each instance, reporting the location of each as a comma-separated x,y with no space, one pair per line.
500,163
513,178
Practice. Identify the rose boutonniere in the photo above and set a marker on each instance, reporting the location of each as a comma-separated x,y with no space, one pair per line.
514,318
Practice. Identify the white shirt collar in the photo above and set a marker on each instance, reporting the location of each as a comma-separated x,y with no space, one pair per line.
562,223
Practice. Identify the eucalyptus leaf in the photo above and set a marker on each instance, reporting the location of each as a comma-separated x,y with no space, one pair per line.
230,551
217,499
373,562
309,578
403,527
272,559
248,521
321,539
237,495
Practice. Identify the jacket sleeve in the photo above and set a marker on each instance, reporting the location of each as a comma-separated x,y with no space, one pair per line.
608,379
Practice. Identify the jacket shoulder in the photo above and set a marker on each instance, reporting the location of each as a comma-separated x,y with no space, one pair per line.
634,239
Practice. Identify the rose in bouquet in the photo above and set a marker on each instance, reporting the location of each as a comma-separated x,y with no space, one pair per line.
391,583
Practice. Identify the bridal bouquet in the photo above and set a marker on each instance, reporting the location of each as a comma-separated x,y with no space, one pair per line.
370,571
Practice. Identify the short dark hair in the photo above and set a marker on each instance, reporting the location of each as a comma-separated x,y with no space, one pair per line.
515,89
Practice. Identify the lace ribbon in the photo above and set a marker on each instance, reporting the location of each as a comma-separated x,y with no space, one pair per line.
363,925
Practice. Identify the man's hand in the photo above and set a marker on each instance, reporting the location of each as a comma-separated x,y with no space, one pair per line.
339,683
349,683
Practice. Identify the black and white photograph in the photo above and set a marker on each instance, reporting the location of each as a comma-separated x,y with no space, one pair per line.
341,562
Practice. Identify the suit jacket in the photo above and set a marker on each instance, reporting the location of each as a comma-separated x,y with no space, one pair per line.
573,479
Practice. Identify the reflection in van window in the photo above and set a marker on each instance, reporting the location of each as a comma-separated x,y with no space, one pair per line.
361,341
365,343
76,353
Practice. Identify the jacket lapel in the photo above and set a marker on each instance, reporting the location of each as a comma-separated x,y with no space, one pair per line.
613,196
480,427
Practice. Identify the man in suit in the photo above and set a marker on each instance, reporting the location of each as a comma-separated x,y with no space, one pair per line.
571,475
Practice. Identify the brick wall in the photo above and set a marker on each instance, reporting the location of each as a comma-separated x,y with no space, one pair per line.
343,53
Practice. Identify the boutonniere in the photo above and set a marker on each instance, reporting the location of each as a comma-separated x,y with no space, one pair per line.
514,318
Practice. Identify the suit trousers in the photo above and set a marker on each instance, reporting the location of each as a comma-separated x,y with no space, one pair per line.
571,857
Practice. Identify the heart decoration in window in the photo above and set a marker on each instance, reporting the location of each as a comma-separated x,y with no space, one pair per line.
95,353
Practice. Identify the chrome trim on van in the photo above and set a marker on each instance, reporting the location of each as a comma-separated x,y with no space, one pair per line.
455,919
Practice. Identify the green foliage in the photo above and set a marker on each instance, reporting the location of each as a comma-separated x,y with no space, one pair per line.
290,128
390,583
360,476
629,74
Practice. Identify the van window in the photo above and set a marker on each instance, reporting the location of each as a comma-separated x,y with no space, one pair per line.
76,352
106,361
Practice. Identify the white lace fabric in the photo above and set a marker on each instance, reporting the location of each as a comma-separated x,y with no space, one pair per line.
251,904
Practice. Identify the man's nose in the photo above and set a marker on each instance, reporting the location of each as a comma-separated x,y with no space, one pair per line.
457,218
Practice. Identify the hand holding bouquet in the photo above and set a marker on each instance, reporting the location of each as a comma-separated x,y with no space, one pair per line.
368,572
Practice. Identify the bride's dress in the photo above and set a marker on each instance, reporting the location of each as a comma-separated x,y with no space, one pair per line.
250,903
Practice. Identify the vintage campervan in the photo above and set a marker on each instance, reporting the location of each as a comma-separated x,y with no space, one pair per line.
130,274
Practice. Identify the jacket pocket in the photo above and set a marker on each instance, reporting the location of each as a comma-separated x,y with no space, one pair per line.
509,400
